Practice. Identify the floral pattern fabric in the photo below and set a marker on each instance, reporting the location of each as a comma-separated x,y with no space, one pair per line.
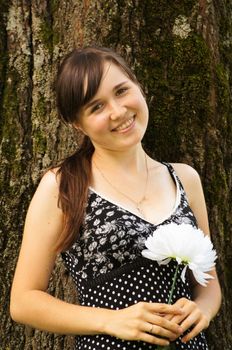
106,262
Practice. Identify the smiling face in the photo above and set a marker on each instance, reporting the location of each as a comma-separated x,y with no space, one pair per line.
116,117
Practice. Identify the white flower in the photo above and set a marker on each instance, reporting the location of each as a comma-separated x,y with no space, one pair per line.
185,244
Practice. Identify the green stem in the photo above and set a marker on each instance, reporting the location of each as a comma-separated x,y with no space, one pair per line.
171,346
173,285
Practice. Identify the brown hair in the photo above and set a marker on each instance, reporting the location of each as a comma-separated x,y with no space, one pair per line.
78,80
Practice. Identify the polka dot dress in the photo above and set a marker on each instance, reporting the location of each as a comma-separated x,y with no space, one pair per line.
110,272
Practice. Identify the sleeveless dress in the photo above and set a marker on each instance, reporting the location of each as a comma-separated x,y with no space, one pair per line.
110,272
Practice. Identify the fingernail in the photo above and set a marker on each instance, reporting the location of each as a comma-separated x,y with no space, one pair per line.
173,339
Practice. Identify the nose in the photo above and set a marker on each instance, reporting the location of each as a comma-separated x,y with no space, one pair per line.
117,110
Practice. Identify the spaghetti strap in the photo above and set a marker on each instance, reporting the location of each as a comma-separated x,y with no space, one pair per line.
176,177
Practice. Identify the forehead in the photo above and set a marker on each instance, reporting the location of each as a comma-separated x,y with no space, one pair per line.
112,75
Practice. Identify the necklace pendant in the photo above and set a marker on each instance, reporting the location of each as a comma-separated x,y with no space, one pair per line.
141,201
139,206
139,210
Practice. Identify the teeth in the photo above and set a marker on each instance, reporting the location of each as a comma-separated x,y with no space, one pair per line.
125,125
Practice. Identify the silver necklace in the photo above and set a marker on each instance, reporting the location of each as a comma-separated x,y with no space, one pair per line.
138,204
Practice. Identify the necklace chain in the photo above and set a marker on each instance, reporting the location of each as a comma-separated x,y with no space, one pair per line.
137,203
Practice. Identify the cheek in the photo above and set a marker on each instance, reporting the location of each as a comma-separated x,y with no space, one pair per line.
138,100
141,104
98,124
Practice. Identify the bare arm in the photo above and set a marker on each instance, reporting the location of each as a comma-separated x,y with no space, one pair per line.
32,305
207,300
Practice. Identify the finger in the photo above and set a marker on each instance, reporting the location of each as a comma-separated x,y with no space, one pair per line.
160,308
191,320
177,319
169,317
170,326
182,301
188,307
196,330
153,339
162,332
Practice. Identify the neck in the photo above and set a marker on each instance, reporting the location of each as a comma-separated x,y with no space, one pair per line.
130,160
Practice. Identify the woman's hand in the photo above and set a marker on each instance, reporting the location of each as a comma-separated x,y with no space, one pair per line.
192,317
145,322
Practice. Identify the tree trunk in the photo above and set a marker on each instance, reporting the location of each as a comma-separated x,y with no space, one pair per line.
181,52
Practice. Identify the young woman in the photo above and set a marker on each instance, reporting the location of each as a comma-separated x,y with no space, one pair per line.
96,209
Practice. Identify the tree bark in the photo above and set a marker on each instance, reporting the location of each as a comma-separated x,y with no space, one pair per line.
181,52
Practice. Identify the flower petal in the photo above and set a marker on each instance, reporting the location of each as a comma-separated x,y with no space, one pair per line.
164,262
183,273
185,244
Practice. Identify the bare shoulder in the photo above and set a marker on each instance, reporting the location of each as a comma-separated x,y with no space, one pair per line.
193,188
44,216
50,181
51,177
186,173
47,192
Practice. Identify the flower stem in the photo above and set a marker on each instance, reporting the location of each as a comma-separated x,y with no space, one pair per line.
173,285
171,346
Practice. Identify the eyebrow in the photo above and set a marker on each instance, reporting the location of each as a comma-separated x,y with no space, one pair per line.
93,102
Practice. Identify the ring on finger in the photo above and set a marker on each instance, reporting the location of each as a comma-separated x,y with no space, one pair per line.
150,331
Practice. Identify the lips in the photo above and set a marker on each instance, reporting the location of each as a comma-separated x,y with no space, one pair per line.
125,125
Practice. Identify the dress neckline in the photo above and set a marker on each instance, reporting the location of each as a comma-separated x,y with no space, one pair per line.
172,212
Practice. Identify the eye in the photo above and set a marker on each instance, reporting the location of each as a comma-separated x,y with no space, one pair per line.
121,91
96,107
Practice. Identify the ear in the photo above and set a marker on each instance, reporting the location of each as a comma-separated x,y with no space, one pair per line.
77,127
